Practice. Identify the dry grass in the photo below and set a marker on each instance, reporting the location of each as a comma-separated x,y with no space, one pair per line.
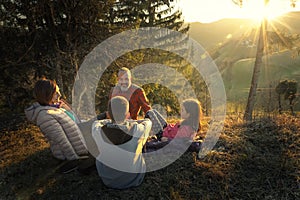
259,160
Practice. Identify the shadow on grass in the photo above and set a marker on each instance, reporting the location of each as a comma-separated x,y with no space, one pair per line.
36,178
265,164
21,179
254,161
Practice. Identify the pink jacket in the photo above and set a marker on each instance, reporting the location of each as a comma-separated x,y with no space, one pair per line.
175,130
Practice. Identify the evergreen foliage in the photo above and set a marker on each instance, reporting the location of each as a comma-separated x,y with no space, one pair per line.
51,38
46,38
149,13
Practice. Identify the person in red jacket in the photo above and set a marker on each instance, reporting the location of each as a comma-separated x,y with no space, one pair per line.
133,93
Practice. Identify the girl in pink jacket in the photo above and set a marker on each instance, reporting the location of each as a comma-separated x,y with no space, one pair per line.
184,130
190,124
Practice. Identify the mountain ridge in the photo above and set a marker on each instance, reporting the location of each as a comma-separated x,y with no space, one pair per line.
232,45
210,35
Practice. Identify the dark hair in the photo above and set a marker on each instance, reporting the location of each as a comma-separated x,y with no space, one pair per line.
118,107
193,108
44,90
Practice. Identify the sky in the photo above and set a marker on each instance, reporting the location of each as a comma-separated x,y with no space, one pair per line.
207,11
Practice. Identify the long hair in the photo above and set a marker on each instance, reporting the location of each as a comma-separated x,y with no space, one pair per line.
193,108
44,90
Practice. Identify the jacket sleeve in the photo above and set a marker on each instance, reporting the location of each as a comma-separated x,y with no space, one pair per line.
110,93
57,137
146,127
143,101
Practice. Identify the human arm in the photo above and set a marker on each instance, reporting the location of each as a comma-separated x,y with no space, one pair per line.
144,125
170,131
86,130
142,100
144,128
110,95
65,105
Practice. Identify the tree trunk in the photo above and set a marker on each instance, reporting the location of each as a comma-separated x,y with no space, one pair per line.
59,78
256,71
279,104
291,107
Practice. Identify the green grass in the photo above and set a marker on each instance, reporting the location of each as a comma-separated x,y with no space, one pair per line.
276,67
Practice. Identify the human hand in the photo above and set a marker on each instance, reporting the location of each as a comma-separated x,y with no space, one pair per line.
64,104
164,139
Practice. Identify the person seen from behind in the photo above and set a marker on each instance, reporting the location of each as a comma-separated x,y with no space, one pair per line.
120,141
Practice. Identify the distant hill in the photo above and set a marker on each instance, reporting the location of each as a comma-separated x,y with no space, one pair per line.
212,34
232,45
277,66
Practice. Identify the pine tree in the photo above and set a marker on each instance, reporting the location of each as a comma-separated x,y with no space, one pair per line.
134,14
47,38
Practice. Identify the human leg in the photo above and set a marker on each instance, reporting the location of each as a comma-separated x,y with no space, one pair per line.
158,122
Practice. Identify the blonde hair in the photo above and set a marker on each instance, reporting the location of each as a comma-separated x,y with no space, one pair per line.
124,70
118,107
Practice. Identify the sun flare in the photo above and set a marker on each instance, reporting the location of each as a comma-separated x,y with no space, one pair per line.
256,9
213,10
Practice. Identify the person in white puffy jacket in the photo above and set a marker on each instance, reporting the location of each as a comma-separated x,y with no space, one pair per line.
57,122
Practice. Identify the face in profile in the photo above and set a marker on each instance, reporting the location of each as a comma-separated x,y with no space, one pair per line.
124,81
184,113
56,95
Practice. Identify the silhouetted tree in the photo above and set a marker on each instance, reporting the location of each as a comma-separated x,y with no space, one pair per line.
258,62
288,88
47,38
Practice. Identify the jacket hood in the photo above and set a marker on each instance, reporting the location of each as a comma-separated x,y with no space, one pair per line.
33,111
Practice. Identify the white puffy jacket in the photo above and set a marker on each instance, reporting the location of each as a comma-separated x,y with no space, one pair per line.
63,134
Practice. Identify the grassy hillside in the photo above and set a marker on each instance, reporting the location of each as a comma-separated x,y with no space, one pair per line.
232,45
276,67
259,160
210,35
288,22
216,33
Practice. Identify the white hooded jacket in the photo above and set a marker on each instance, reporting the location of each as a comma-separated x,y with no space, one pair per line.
63,134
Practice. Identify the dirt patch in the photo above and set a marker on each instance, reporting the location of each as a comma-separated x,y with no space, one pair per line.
259,160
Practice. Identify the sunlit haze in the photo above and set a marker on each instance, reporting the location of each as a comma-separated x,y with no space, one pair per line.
208,11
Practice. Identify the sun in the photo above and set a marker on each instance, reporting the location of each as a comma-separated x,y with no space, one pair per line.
209,11
255,9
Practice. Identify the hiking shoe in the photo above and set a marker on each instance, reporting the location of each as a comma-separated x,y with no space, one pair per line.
86,166
68,166
195,147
